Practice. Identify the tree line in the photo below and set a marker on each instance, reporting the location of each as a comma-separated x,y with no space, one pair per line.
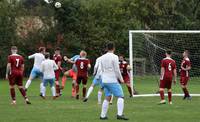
87,24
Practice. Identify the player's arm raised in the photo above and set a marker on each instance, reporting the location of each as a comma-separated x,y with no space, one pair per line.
31,56
68,60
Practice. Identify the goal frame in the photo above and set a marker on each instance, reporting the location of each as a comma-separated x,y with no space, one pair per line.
148,31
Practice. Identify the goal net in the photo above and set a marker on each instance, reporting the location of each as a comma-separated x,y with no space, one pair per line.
147,49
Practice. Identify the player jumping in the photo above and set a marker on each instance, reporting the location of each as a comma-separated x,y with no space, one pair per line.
110,75
47,68
82,65
58,59
71,73
168,70
14,73
184,72
35,72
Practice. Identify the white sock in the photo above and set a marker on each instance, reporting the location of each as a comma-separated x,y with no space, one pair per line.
28,83
99,96
41,87
111,100
53,90
120,106
89,91
43,91
104,109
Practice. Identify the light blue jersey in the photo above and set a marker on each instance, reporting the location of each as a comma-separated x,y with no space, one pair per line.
74,58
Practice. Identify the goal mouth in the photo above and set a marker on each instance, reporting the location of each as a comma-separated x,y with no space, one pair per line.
147,49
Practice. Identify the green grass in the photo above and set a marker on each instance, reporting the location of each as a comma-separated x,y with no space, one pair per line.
66,109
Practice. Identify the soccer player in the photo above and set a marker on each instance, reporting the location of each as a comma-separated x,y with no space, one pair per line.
58,59
110,75
184,72
168,70
125,68
14,73
48,68
71,73
96,81
82,65
35,72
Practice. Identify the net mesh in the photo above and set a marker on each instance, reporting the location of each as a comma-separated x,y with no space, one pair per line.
149,50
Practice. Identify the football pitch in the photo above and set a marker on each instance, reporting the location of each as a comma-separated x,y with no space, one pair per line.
67,109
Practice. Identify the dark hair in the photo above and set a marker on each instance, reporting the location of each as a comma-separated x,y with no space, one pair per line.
169,52
14,48
41,49
57,49
110,46
47,55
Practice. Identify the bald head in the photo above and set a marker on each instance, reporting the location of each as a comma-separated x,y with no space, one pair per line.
83,54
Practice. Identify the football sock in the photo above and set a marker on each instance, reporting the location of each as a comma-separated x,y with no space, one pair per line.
99,96
64,78
58,89
186,92
41,87
120,106
84,91
77,89
111,100
23,92
43,91
53,90
129,90
28,83
73,89
162,96
170,96
104,110
89,91
12,93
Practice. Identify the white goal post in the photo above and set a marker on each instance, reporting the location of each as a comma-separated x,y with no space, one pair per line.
131,40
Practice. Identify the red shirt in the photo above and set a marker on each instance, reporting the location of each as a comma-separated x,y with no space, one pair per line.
169,65
82,67
123,68
16,62
57,58
185,63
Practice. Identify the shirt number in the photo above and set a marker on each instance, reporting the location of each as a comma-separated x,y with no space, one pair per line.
17,62
82,65
169,67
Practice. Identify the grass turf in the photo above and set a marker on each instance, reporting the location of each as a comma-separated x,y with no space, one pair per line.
66,109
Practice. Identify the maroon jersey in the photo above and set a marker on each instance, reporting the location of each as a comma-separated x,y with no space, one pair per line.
82,67
16,62
169,65
123,68
57,58
185,63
